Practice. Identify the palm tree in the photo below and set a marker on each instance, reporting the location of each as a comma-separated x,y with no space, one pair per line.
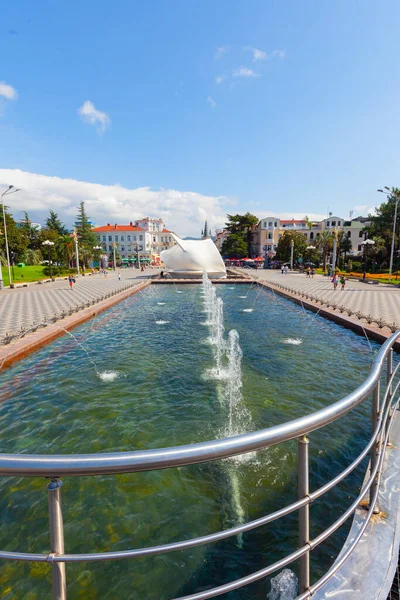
345,246
65,249
325,243
32,257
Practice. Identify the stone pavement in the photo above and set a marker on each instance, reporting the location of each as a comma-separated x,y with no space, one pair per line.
379,301
22,307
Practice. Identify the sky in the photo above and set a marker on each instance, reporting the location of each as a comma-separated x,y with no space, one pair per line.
193,109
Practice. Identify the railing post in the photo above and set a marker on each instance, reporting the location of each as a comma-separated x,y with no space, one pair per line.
375,447
57,538
389,373
304,521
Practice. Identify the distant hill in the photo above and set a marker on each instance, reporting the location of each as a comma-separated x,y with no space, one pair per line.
191,238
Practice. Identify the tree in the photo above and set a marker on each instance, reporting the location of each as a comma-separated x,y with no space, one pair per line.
87,239
284,248
382,222
65,249
53,222
325,244
345,246
235,246
17,239
241,225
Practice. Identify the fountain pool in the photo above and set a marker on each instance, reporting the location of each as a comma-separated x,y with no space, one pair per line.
151,388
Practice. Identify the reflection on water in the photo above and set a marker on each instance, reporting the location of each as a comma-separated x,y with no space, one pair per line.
153,393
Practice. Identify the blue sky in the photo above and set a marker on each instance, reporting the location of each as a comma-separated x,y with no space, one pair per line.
197,108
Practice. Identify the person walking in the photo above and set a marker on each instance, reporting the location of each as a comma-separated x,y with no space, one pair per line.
119,276
342,281
308,272
312,273
335,281
71,281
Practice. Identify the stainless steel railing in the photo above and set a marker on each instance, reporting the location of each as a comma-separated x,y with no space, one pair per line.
383,411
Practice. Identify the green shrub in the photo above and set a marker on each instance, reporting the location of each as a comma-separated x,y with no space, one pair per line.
357,266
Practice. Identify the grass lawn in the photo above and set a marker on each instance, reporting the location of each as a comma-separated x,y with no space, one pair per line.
24,274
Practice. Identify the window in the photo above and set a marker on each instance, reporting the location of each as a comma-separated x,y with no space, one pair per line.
339,223
359,247
122,238
154,238
327,223
270,224
360,234
162,239
169,238
311,235
333,223
104,238
110,248
141,238
116,238
270,236
265,224
349,234
275,224
110,238
134,238
123,250
129,238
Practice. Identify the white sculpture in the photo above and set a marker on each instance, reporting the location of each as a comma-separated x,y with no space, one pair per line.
191,258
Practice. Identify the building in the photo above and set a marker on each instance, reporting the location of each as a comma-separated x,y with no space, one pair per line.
220,236
145,238
266,234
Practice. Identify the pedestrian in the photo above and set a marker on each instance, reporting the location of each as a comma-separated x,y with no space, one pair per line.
312,273
308,272
335,281
282,269
286,270
71,281
329,270
343,281
119,276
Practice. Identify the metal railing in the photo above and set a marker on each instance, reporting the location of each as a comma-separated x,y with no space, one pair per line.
384,405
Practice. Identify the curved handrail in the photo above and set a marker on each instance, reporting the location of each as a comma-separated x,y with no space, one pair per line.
41,465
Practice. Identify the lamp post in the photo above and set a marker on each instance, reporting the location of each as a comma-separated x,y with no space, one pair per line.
75,236
114,245
334,251
96,252
397,197
366,244
291,254
10,190
49,246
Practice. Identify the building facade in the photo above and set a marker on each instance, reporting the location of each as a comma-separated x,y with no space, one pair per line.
266,235
145,238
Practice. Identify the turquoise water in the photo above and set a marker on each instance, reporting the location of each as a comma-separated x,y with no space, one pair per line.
55,402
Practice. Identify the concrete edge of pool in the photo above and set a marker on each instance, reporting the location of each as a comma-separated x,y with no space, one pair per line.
34,341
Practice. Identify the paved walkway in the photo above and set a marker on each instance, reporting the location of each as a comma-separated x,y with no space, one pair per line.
22,307
379,301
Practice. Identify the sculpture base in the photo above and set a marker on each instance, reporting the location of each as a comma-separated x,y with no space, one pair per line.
195,274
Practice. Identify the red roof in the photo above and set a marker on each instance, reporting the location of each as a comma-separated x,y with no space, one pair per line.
116,227
166,231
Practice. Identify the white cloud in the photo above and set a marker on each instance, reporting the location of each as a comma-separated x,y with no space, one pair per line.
91,115
259,54
219,79
183,211
7,91
221,51
211,102
244,72
279,53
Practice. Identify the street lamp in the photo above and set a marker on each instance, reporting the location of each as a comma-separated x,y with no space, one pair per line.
114,245
75,236
397,196
366,245
291,254
49,246
10,190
